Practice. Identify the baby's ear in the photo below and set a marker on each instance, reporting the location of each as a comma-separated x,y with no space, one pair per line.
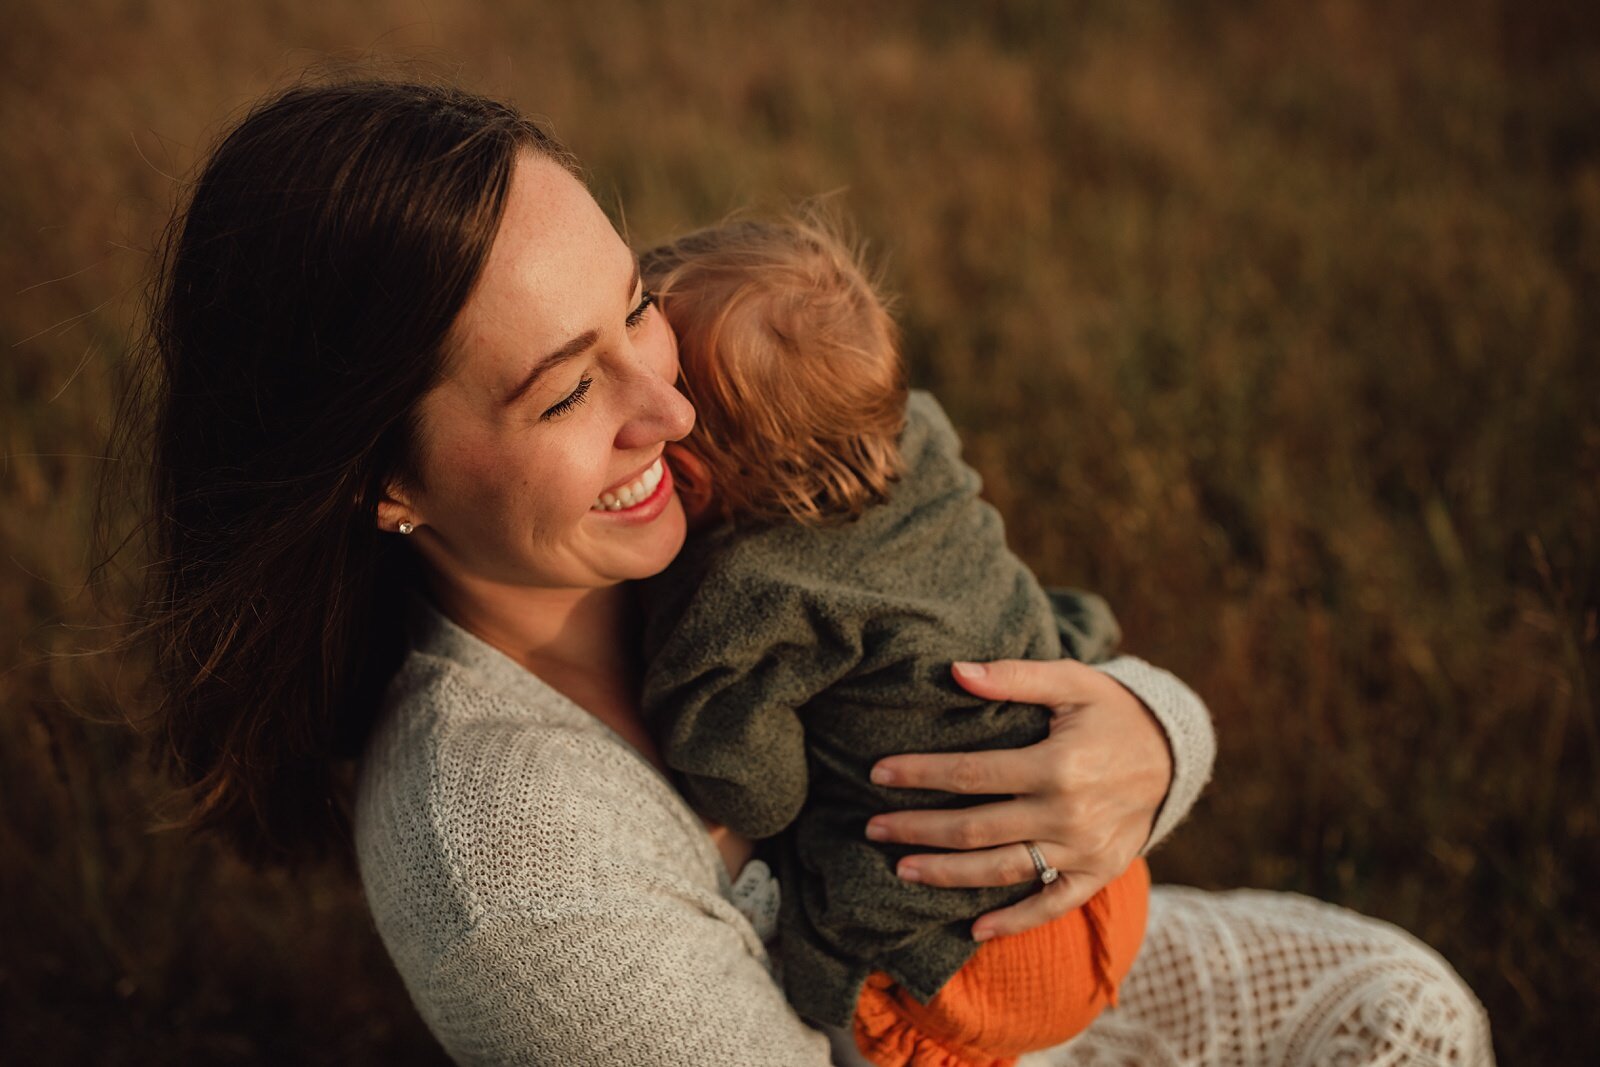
692,479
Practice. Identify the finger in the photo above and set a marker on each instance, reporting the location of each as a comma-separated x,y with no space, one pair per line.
982,826
1053,683
989,867
1070,890
1001,770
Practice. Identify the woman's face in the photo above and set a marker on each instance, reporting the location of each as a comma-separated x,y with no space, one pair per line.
540,451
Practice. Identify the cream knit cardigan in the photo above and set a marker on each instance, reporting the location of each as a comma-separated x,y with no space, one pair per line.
549,898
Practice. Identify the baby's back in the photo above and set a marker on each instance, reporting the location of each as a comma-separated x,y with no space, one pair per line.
785,661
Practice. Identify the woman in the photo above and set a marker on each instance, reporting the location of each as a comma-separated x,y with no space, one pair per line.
401,354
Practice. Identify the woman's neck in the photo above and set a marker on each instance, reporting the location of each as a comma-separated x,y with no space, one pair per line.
583,643
579,629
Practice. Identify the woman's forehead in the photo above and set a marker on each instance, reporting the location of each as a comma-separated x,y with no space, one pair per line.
554,242
553,272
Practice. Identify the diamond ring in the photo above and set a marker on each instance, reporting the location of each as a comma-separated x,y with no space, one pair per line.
1047,873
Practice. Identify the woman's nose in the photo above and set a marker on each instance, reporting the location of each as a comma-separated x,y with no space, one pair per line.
661,414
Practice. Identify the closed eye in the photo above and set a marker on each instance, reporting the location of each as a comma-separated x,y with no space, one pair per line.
572,400
636,316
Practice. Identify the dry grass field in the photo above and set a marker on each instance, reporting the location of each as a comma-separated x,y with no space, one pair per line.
1276,322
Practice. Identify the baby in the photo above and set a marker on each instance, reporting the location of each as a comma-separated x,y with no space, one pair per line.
839,561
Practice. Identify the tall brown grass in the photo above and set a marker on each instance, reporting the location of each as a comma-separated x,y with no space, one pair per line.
1275,322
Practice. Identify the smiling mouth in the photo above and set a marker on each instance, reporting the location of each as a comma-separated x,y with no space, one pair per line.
634,492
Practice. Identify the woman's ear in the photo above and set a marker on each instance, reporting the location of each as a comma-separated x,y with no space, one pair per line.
395,513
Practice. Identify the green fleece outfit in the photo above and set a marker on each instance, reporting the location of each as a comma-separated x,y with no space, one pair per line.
784,661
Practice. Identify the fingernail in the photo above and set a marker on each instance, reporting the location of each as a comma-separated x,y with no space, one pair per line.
983,933
882,776
970,670
909,873
877,832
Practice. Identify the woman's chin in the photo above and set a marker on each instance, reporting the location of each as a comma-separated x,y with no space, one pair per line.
652,547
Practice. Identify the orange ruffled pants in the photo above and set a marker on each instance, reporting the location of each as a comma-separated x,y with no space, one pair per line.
1016,994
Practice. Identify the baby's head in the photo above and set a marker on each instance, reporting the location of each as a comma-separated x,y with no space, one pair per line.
791,361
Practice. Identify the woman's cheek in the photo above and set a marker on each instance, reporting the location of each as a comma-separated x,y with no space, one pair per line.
575,473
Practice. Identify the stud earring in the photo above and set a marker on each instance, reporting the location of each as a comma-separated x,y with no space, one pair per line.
405,527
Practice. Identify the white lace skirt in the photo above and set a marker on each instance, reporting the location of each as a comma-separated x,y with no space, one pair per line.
1258,978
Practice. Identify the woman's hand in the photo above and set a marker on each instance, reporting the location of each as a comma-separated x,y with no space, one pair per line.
1087,795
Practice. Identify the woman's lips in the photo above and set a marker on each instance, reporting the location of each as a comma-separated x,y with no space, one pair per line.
645,511
632,494
640,501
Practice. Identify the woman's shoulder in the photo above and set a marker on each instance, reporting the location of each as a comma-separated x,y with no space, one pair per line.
522,871
473,800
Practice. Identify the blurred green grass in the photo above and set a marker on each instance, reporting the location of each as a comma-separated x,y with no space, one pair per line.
1274,322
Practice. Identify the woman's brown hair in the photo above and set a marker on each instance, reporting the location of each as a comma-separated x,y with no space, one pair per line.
300,311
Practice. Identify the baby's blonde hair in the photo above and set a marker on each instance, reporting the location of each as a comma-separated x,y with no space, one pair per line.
792,362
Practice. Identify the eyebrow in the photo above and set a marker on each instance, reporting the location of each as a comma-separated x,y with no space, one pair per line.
571,350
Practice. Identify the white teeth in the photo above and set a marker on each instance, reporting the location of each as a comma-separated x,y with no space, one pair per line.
632,493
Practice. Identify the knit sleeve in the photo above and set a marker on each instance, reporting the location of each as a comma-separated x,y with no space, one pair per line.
576,911
638,978
1184,718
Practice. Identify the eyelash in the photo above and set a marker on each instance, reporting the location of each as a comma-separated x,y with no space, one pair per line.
573,399
636,316
576,397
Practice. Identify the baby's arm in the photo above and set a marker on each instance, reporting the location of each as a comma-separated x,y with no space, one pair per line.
723,695
737,743
1089,631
